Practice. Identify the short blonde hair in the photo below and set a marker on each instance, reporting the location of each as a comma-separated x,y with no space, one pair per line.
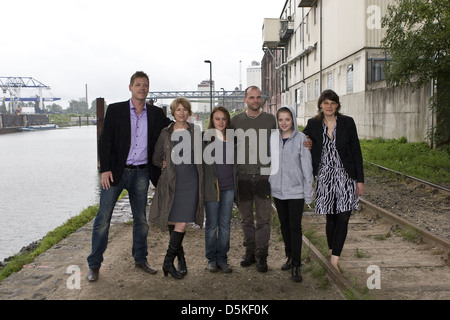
184,102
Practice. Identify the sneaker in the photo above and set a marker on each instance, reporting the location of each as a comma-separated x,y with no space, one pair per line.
224,267
248,260
212,266
261,264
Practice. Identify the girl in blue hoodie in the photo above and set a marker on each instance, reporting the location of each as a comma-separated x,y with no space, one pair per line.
291,181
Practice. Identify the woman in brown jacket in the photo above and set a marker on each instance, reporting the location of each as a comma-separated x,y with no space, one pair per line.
178,198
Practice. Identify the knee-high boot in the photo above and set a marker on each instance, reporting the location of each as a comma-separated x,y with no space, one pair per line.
182,267
174,244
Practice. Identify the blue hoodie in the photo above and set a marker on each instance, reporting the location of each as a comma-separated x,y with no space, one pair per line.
291,165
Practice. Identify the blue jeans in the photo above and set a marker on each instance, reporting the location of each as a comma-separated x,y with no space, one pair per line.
136,181
217,227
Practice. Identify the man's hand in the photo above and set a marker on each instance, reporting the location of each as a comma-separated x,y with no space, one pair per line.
308,143
107,178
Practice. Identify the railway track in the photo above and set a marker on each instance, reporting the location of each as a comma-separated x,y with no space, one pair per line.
435,186
386,256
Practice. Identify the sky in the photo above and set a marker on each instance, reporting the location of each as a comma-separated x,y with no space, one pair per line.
100,43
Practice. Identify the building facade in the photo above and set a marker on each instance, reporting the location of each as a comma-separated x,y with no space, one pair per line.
204,106
254,74
316,45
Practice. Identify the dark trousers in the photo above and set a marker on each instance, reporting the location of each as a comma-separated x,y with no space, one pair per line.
336,230
290,214
136,181
255,190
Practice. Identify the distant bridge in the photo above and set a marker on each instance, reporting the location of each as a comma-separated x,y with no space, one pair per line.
195,96
33,99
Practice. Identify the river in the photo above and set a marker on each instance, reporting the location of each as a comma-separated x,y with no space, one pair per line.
46,177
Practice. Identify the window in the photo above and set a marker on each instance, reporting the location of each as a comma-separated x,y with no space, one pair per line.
350,78
375,69
308,92
299,95
330,81
307,23
316,14
315,51
316,89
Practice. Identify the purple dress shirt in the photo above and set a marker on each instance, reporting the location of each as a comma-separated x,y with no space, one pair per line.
138,149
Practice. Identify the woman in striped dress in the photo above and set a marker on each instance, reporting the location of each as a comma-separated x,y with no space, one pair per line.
338,166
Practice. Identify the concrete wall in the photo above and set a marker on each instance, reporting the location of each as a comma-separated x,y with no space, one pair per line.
20,120
389,113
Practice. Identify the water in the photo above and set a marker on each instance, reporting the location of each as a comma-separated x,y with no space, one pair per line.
46,177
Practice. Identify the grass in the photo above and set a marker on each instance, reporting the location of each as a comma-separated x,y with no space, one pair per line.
53,237
410,158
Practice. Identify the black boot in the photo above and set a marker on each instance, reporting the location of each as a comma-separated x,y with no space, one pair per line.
182,268
296,275
287,265
174,244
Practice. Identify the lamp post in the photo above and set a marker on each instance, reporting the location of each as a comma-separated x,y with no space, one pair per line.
223,97
210,83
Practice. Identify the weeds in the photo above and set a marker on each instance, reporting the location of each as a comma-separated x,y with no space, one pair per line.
414,159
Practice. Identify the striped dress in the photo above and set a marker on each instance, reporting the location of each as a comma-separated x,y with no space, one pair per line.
335,191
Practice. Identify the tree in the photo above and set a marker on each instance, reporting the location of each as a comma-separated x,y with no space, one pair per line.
55,108
418,40
77,106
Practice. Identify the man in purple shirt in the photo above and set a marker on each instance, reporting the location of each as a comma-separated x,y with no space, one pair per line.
125,149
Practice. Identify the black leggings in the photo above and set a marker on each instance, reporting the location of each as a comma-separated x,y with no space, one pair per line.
290,214
336,230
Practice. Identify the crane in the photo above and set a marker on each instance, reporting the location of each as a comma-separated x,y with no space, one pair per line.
13,85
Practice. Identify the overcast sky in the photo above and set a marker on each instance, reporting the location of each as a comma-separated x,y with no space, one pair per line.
101,43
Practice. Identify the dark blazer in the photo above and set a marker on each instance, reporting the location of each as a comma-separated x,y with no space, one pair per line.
115,139
347,145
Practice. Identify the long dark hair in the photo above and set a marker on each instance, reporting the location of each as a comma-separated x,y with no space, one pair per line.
227,115
328,95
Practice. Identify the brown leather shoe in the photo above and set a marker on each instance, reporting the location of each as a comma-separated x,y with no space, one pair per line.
146,267
92,274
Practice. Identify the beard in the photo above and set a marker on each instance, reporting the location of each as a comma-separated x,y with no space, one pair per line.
254,106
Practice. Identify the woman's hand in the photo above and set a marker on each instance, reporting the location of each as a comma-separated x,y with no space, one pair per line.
360,188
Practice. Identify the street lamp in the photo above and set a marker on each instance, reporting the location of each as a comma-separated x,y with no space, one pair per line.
223,97
210,83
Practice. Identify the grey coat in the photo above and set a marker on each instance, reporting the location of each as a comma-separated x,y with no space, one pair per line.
292,172
164,194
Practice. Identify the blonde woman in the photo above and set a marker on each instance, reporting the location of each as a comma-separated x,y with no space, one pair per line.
179,195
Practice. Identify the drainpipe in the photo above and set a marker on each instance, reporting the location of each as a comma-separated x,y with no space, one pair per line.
321,43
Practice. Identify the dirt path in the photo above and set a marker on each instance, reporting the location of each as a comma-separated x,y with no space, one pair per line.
53,275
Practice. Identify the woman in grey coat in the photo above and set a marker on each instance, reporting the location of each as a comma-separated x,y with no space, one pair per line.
178,198
291,184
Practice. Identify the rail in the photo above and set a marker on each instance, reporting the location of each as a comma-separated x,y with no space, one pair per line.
410,177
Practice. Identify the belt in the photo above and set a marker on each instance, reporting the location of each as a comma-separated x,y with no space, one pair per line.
142,166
